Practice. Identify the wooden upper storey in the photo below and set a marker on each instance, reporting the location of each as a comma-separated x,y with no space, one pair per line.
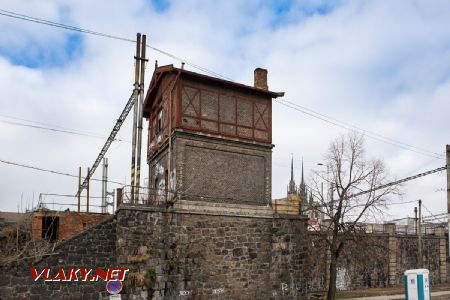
198,103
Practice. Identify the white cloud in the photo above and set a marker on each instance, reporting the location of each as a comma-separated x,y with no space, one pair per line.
381,65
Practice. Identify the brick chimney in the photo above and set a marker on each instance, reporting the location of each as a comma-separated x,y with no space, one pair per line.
261,79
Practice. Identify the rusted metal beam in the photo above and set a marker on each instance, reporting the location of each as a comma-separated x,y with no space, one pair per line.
140,101
135,114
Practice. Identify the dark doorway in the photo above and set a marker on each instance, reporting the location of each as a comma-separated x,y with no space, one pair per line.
50,228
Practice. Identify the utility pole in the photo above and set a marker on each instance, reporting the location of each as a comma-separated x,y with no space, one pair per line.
135,114
447,156
104,184
415,220
79,186
420,258
140,115
87,193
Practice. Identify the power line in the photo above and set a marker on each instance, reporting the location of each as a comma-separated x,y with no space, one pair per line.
404,202
53,171
286,103
23,17
432,215
383,186
68,196
350,127
70,204
45,124
73,131
71,175
366,131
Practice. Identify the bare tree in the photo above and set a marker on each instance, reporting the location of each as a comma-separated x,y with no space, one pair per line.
17,243
349,200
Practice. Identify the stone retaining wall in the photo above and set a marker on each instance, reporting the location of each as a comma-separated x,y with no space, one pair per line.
204,255
91,249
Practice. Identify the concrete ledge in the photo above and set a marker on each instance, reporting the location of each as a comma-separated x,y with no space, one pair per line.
217,209
228,209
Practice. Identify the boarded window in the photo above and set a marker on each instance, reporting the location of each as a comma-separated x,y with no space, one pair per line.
209,105
228,129
261,135
191,122
244,132
244,112
227,109
208,125
261,115
190,101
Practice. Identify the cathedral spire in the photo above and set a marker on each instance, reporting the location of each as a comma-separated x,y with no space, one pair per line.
302,189
303,180
292,167
292,189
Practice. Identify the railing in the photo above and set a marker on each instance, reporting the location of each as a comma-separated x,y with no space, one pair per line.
145,197
374,228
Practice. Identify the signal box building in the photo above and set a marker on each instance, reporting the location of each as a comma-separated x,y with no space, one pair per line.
209,151
209,139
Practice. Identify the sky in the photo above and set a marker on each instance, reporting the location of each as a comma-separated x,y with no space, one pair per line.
382,66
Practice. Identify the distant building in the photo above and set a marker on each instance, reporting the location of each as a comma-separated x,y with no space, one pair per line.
298,202
52,225
62,225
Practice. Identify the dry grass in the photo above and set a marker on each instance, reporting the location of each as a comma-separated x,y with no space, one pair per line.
370,292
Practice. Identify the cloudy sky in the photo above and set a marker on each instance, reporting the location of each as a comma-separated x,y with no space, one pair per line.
382,66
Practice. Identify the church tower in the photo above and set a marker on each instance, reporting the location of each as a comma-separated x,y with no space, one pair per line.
292,189
303,191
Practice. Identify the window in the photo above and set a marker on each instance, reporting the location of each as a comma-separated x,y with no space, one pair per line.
159,122
50,228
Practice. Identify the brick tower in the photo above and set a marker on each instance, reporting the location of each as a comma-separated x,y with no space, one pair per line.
209,139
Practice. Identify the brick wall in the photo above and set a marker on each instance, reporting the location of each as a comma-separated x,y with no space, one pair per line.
69,223
204,168
93,248
223,170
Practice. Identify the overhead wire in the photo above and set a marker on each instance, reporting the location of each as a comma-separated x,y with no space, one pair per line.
52,171
350,127
42,123
70,175
432,215
67,196
286,103
68,131
403,202
24,17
